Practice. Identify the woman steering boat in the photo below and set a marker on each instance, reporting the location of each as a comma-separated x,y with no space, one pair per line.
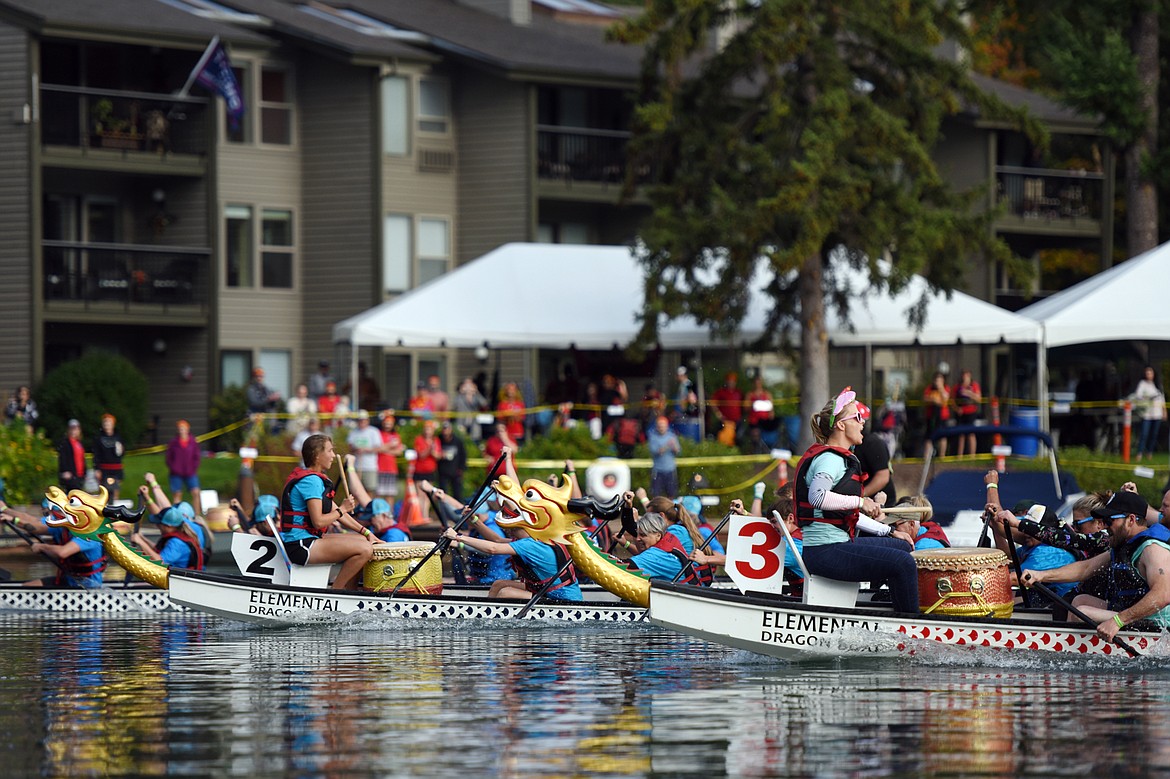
829,506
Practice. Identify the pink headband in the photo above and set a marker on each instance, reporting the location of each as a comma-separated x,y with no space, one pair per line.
846,397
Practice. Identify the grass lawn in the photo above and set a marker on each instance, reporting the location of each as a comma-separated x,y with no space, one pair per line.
215,473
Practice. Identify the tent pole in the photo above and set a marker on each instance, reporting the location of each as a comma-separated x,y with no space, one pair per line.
702,394
869,375
353,377
1042,379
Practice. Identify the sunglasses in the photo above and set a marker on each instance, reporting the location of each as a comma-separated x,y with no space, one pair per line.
1111,519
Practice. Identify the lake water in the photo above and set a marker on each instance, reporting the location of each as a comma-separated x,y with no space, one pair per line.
199,696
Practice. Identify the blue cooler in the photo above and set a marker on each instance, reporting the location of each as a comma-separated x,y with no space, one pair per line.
1027,418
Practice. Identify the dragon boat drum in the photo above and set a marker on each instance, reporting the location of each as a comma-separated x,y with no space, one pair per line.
964,582
392,562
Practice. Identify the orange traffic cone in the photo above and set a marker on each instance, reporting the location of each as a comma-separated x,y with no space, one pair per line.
411,514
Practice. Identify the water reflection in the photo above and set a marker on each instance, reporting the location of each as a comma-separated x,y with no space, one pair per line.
181,694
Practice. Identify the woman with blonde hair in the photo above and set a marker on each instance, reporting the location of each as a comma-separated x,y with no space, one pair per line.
829,508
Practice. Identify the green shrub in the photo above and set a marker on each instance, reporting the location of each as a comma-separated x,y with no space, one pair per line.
86,388
28,464
227,408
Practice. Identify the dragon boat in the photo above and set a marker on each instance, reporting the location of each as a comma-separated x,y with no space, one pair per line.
972,597
275,594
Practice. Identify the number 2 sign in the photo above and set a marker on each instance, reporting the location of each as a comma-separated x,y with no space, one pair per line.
755,555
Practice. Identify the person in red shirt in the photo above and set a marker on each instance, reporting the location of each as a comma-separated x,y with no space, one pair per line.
327,403
511,411
967,397
388,454
727,402
428,449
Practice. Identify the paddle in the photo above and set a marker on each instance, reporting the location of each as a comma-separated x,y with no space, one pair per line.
457,560
1007,531
555,577
28,539
1082,616
702,548
984,541
468,513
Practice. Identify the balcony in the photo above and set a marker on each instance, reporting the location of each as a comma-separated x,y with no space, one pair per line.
99,280
117,129
581,163
1050,201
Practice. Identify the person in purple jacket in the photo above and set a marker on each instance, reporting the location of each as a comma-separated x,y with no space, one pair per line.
182,459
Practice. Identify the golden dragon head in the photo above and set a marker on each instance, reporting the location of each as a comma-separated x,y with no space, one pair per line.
78,512
537,507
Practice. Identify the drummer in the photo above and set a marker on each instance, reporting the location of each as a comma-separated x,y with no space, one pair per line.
307,511
829,506
80,561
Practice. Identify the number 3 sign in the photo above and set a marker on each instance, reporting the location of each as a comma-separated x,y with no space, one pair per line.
755,555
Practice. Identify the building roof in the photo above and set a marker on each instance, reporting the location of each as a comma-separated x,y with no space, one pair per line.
318,26
151,20
544,48
1054,115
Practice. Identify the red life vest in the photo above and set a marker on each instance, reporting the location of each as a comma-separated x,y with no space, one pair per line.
195,561
299,520
850,484
568,573
76,565
692,573
934,531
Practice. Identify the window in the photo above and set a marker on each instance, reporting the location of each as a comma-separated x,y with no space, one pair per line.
395,115
434,248
277,365
238,251
275,106
273,266
396,252
272,114
235,369
276,249
434,106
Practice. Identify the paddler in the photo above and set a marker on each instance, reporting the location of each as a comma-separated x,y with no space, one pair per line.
307,511
80,561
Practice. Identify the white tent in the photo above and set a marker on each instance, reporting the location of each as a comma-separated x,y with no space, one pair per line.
1125,303
558,295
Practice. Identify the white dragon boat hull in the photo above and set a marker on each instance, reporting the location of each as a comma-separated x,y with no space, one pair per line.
256,601
137,598
790,630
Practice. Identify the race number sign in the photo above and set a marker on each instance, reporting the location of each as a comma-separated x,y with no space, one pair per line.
259,557
755,555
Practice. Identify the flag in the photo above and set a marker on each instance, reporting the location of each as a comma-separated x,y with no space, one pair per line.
214,71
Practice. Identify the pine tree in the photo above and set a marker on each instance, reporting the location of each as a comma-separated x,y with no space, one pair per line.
804,140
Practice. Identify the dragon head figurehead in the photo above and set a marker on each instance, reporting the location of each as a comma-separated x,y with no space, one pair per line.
78,512
539,508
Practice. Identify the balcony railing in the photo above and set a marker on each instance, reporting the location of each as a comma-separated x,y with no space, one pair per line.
123,121
127,274
1050,195
578,154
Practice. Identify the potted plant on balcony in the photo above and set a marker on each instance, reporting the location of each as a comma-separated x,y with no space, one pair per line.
113,132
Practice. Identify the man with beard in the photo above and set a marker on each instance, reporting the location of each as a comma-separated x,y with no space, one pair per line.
1138,563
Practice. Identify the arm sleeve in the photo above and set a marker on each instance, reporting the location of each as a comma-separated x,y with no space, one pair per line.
821,496
871,525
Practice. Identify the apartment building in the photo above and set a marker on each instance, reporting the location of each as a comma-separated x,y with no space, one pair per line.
383,143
